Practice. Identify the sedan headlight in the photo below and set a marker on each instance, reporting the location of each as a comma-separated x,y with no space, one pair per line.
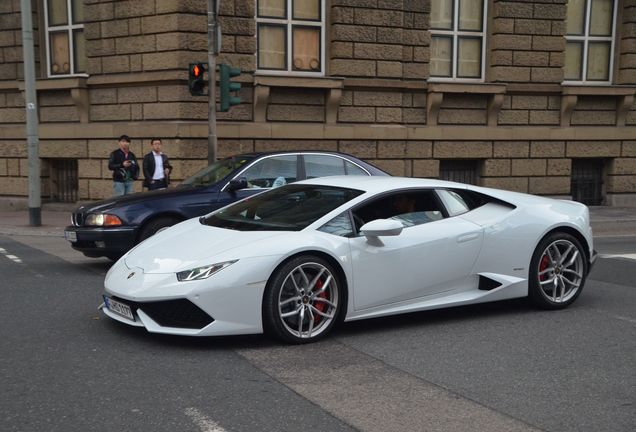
102,220
202,272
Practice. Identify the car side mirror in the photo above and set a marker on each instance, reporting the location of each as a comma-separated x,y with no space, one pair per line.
236,184
382,228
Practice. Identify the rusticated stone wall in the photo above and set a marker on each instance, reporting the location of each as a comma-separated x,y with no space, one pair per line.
386,40
521,126
527,41
627,62
533,109
151,43
379,39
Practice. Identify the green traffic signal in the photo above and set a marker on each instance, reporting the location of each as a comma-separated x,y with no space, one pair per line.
227,87
196,83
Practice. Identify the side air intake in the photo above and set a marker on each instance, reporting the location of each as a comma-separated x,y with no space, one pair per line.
487,284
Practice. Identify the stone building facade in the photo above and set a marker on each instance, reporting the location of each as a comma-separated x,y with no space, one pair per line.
518,98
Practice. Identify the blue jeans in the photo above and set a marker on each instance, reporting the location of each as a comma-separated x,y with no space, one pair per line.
122,188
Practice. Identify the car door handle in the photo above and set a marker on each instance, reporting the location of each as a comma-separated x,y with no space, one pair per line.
467,237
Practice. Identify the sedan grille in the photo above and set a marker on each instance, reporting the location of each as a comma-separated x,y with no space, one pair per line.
78,219
180,313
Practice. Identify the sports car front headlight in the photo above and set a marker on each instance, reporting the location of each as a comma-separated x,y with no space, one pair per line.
202,272
94,219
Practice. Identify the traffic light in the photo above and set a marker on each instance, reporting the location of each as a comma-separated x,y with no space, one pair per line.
228,87
195,79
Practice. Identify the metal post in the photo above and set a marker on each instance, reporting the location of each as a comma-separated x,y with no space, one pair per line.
35,216
212,51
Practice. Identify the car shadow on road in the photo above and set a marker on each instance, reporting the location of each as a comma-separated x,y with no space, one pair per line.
141,336
452,315
507,308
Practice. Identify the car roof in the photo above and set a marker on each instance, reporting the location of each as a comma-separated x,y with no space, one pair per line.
368,166
277,152
378,184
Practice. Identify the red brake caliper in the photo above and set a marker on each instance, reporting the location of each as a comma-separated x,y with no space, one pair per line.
542,266
320,305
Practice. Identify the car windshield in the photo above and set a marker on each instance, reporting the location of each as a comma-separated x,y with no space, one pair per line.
287,208
217,171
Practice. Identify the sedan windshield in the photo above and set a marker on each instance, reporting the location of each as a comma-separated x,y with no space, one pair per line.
217,171
287,208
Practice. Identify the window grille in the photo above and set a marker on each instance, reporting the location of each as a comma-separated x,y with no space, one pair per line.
64,180
459,170
587,181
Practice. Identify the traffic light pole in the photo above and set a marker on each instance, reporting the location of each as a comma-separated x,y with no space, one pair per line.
212,51
35,199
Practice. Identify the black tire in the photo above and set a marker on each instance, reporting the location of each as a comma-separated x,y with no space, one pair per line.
152,227
558,270
313,310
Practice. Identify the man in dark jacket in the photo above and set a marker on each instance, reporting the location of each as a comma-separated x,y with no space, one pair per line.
123,163
156,167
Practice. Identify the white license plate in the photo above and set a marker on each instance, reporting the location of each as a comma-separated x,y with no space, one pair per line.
70,236
119,308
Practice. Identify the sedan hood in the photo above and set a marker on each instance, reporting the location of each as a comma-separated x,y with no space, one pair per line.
190,244
125,200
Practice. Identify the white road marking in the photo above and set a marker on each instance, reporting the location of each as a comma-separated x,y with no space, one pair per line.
204,423
14,258
10,256
626,256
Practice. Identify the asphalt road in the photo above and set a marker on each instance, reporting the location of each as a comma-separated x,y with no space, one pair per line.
495,367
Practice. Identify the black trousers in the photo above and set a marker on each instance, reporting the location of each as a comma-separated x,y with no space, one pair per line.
157,184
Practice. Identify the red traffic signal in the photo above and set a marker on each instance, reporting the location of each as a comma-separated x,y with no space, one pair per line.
196,83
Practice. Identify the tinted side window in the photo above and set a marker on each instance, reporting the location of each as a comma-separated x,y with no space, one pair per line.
288,208
340,226
272,172
409,207
353,169
323,165
453,202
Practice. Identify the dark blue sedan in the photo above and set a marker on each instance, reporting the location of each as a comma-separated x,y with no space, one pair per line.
112,227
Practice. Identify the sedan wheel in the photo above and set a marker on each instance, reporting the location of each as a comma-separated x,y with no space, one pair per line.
157,225
558,271
302,300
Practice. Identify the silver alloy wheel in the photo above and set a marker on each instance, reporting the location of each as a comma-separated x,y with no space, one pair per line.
560,271
308,300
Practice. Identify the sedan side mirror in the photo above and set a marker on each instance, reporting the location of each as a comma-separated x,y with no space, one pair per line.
382,228
236,184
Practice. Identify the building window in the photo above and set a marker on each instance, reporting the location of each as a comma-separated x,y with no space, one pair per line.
65,43
458,30
459,170
290,36
587,181
64,183
590,41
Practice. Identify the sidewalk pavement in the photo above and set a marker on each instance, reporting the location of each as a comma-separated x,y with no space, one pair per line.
606,221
